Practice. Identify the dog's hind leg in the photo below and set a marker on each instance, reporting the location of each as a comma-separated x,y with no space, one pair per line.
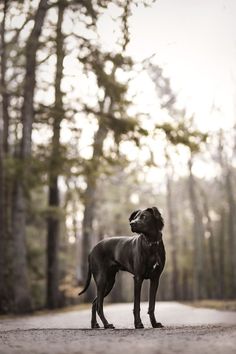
109,286
94,323
104,286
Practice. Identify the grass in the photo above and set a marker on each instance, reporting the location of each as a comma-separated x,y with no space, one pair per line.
223,305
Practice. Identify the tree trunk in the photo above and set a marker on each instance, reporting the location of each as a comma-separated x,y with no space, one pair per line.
53,227
231,233
6,294
213,279
3,294
198,235
173,238
53,230
22,299
230,246
21,289
3,111
90,202
4,93
221,255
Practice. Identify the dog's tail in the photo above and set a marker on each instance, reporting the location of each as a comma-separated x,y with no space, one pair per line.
88,280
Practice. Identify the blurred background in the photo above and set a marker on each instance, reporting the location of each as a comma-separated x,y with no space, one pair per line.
107,107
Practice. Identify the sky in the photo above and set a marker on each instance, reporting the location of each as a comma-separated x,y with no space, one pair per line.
195,42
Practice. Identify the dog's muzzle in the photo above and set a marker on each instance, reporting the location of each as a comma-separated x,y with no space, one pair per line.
134,226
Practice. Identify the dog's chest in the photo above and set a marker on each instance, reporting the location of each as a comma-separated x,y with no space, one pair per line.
152,261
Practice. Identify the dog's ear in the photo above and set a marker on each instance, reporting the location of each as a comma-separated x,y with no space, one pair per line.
155,212
134,213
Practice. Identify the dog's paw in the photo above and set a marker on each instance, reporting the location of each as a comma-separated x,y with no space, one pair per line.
139,325
157,325
95,325
109,325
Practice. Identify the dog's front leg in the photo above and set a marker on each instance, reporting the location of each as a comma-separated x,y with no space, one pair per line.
152,301
137,294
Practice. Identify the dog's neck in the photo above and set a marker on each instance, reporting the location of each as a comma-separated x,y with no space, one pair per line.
153,238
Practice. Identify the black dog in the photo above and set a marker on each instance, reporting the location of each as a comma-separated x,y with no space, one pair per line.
142,255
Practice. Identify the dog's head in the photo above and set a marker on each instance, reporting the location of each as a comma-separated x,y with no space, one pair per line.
146,221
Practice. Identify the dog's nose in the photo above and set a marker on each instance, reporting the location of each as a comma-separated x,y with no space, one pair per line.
132,222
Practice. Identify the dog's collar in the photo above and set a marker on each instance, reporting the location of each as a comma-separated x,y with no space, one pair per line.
154,243
151,243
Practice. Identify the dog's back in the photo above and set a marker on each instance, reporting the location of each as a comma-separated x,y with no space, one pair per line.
114,252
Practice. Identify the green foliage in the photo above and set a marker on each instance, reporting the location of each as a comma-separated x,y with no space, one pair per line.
179,133
122,127
96,61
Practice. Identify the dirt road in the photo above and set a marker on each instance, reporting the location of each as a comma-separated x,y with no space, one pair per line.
187,330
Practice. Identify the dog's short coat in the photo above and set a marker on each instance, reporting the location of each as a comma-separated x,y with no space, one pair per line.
142,255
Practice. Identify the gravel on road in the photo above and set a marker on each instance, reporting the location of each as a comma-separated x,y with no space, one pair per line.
187,330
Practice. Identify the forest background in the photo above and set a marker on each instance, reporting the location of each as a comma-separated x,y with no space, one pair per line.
94,124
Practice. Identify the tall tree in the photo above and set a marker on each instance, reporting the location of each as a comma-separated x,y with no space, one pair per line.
212,284
90,192
222,255
198,239
3,295
231,231
173,233
5,241
4,92
53,222
226,169
22,296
